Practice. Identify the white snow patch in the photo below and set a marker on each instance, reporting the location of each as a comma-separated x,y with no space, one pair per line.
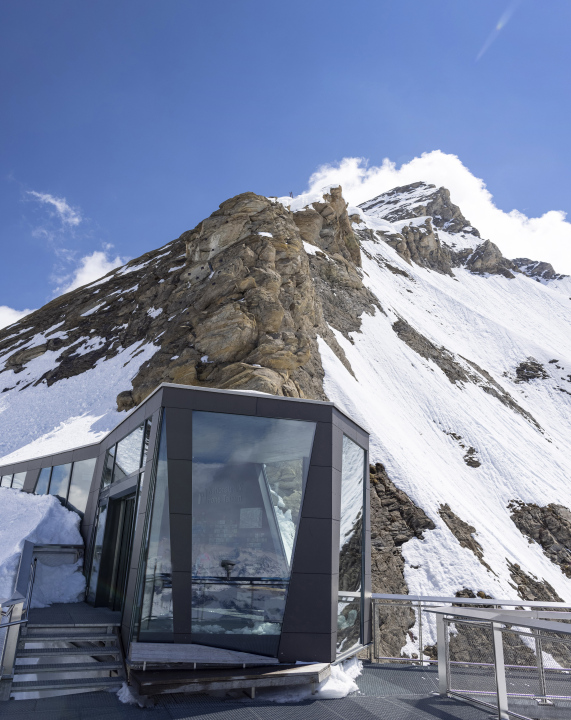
41,519
154,312
310,249
339,684
265,234
93,310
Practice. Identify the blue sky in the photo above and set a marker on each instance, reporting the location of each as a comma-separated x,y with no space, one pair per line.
145,115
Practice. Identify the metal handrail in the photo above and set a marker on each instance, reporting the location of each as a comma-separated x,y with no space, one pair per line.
19,604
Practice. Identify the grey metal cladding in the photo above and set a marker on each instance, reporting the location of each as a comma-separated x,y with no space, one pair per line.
322,495
309,646
322,451
180,486
85,453
179,433
181,595
316,539
180,535
298,410
311,604
31,480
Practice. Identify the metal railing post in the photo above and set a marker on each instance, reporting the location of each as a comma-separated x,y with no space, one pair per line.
500,671
442,650
541,670
420,654
11,641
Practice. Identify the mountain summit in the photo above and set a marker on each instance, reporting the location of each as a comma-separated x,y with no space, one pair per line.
456,359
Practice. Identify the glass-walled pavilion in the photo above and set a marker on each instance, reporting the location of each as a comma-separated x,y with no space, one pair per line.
224,519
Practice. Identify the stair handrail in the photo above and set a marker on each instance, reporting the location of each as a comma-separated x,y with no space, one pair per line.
16,608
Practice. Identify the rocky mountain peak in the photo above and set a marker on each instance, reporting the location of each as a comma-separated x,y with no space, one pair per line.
418,200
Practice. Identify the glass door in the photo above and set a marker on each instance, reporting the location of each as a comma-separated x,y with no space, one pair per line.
124,521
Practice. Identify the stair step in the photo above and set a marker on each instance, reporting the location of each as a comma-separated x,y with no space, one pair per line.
67,667
66,637
44,652
75,684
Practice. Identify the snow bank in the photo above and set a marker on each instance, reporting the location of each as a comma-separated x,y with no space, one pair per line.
41,519
339,684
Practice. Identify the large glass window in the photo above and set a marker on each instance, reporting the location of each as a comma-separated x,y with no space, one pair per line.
43,481
128,455
248,476
351,546
59,484
18,480
97,551
81,477
156,623
6,481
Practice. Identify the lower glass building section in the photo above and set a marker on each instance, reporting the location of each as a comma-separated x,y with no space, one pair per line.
248,477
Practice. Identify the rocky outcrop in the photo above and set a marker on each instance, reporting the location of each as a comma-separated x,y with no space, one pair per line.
395,520
420,199
420,244
536,269
488,258
549,526
530,369
463,532
455,371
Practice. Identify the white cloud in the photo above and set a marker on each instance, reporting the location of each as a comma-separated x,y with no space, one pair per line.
90,268
67,215
8,315
546,238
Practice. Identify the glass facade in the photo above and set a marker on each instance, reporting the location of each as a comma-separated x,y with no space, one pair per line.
71,483
248,476
81,476
97,552
156,622
6,481
351,546
59,483
128,455
18,480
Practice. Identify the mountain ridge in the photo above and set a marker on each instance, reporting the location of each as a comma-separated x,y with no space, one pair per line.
456,359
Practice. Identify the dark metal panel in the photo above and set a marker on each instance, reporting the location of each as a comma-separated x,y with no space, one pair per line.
125,487
31,480
351,429
314,546
179,433
322,497
299,410
311,604
181,598
307,647
211,401
181,537
322,452
85,453
85,531
180,486
62,458
34,464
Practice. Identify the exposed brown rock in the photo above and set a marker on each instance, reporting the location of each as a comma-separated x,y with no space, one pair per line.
530,369
463,532
549,526
488,258
395,519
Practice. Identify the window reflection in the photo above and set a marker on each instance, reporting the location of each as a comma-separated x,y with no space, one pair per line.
43,481
80,486
248,475
59,483
97,552
6,481
18,480
351,546
157,610
128,454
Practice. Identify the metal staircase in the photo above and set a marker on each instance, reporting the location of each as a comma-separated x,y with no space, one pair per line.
59,659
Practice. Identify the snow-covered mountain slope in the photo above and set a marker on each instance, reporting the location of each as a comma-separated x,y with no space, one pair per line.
455,358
